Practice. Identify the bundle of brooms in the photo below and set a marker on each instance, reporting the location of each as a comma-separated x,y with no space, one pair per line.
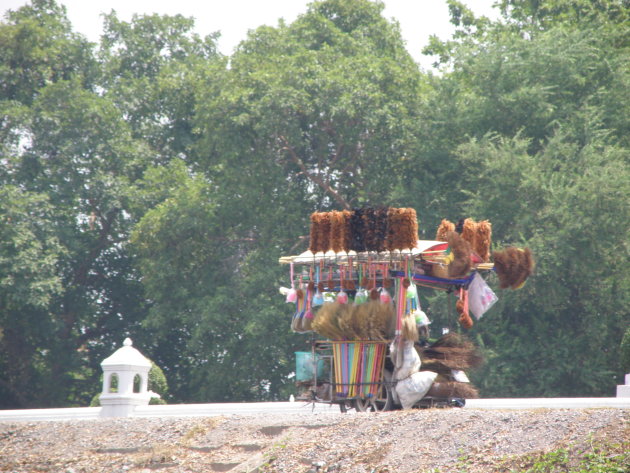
371,320
450,352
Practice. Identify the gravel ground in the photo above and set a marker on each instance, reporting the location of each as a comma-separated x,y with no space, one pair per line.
415,441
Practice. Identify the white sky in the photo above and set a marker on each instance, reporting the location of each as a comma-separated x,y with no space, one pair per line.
233,18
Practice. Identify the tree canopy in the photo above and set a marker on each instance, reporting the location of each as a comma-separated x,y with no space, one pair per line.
149,184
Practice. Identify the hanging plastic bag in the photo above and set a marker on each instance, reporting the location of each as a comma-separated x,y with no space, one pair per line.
421,317
361,297
292,294
412,292
480,296
318,299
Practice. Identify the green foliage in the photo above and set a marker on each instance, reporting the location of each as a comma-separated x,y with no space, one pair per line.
598,457
625,352
328,127
149,186
38,47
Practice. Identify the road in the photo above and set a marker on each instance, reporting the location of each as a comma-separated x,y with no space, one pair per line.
248,408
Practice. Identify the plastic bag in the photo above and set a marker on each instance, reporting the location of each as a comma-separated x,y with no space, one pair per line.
480,296
407,361
414,388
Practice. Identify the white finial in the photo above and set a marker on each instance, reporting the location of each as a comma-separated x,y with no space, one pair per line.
127,342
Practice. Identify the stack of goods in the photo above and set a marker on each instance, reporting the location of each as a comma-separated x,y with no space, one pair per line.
469,243
449,357
477,236
365,229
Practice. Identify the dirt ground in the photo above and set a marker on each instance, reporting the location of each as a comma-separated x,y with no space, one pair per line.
415,441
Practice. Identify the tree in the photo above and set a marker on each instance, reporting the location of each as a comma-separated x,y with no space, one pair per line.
331,125
29,282
38,47
274,145
538,148
151,65
73,145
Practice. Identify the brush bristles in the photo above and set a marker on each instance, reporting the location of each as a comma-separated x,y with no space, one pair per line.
461,264
326,321
451,352
452,389
469,231
444,227
337,230
483,240
357,231
346,322
314,234
410,329
513,266
364,229
369,321
361,321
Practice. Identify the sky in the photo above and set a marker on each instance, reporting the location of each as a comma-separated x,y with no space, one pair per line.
418,19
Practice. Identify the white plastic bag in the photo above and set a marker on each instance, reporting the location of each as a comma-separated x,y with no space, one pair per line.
407,361
414,388
480,296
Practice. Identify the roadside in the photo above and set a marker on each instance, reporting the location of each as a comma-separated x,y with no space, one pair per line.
431,440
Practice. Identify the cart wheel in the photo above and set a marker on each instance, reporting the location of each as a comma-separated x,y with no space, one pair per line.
379,404
345,405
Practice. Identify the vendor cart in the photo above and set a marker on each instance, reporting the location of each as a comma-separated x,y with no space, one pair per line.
369,342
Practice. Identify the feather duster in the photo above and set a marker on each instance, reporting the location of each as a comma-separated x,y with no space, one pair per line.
324,232
314,233
347,233
513,266
483,240
380,230
338,229
357,230
525,267
444,227
469,231
402,229
369,226
461,265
